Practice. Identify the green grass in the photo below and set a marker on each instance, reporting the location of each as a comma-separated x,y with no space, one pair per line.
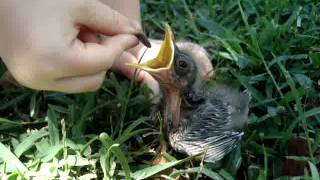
269,47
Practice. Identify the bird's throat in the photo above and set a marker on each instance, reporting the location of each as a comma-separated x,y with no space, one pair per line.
172,108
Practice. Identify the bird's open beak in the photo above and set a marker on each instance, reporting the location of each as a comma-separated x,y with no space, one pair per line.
159,68
164,59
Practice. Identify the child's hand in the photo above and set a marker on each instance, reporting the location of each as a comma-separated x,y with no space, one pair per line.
52,45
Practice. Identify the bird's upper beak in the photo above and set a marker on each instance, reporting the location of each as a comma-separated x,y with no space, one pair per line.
160,69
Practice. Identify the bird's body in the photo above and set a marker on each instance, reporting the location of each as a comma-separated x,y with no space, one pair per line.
211,120
198,119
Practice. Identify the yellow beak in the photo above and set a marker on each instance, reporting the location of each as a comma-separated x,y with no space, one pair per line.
164,59
159,68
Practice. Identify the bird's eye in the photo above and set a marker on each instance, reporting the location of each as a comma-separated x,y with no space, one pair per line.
182,64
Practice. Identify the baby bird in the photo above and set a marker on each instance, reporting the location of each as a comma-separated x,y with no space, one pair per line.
198,119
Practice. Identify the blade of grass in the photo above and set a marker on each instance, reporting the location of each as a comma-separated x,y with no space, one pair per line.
51,153
191,18
152,170
104,163
112,149
312,112
53,127
59,109
301,115
14,101
265,155
32,105
134,124
7,156
125,136
64,142
253,36
115,149
86,146
129,94
314,171
28,142
7,121
211,174
79,125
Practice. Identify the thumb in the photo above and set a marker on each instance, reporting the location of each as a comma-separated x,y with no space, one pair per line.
101,18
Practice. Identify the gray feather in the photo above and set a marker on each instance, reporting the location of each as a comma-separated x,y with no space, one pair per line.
213,128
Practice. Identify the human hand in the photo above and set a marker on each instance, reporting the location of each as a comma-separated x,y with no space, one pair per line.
52,45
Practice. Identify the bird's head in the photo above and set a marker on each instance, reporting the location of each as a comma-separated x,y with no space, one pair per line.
175,70
172,68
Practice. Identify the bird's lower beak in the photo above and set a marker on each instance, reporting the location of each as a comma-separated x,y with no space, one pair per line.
159,68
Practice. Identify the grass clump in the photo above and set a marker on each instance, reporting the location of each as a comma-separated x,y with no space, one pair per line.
271,48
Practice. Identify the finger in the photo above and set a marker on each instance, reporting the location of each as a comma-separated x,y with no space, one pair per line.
86,35
142,76
148,80
79,84
105,20
119,65
89,58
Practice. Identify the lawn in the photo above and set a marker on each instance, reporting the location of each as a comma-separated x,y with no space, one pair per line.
270,47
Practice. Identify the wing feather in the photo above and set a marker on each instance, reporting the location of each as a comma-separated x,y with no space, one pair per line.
207,132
